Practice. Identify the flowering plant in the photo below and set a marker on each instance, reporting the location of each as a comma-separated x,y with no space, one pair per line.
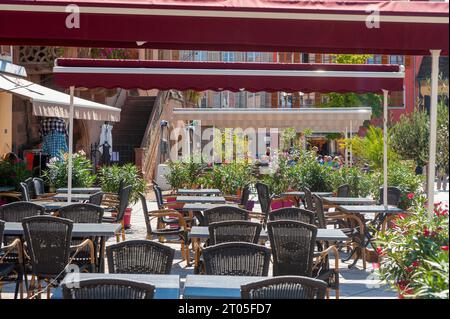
414,252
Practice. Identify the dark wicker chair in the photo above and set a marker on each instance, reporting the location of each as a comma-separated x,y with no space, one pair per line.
394,196
11,270
16,211
285,287
166,205
224,213
96,198
308,199
140,257
82,213
180,232
264,199
39,187
237,259
234,231
48,240
108,289
30,187
24,192
246,191
343,191
321,221
124,198
293,213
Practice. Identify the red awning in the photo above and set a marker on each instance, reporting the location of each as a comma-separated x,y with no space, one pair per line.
216,76
406,27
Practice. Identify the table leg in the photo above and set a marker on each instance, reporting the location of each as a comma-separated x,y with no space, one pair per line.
101,256
196,248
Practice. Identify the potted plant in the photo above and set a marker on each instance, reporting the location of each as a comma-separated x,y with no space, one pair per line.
414,253
109,178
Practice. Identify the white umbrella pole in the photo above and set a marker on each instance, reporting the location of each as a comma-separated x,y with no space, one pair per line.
385,148
346,149
351,145
433,123
69,158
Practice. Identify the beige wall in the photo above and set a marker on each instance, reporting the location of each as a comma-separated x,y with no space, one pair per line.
5,123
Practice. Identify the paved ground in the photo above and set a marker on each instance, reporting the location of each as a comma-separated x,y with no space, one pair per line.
354,283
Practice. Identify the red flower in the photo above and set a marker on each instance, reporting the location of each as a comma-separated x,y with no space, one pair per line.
379,250
444,248
426,232
415,263
410,195
409,269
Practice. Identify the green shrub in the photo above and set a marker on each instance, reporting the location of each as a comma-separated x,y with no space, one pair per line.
110,176
359,182
12,174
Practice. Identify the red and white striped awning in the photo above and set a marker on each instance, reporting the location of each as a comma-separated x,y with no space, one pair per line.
337,26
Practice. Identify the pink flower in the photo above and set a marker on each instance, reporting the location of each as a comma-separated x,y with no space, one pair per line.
415,263
444,248
426,232
410,195
379,250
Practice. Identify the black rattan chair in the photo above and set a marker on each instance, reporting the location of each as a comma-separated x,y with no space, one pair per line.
11,270
48,241
16,211
293,213
234,231
285,287
96,198
180,232
82,213
24,192
246,191
237,259
30,187
394,196
343,191
39,187
224,213
308,199
107,289
140,257
264,200
124,198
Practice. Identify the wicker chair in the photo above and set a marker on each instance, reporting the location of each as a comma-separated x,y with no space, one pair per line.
245,196
394,196
180,232
343,191
234,231
224,213
49,243
108,289
285,287
169,205
140,257
293,213
24,192
308,199
264,200
237,259
11,268
124,198
16,211
30,187
96,198
293,245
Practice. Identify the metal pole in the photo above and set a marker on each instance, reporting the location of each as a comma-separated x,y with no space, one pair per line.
346,149
433,124
385,148
351,145
69,157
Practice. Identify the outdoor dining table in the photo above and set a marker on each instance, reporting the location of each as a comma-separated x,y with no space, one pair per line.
103,230
216,287
204,191
80,190
201,199
300,195
7,189
51,205
201,233
74,197
348,201
166,286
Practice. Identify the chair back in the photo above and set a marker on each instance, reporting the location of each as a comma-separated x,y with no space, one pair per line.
124,200
245,195
263,198
343,191
308,199
224,213
48,241
24,192
2,230
234,231
139,257
39,186
158,196
30,186
82,213
320,212
96,199
292,244
293,213
394,196
108,289
15,212
145,211
237,259
285,287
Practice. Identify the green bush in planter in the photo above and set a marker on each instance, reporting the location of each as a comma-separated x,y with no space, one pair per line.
56,173
184,174
110,176
359,182
12,174
309,173
229,178
414,253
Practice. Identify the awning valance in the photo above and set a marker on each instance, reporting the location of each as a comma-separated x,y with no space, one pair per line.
339,26
217,76
320,120
51,103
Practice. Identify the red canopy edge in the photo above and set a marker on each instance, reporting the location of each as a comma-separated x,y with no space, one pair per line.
217,76
253,25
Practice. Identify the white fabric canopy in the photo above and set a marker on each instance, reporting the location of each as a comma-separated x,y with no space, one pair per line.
51,103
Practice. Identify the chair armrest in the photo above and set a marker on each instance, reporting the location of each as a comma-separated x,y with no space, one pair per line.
46,196
86,243
325,253
169,212
15,245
